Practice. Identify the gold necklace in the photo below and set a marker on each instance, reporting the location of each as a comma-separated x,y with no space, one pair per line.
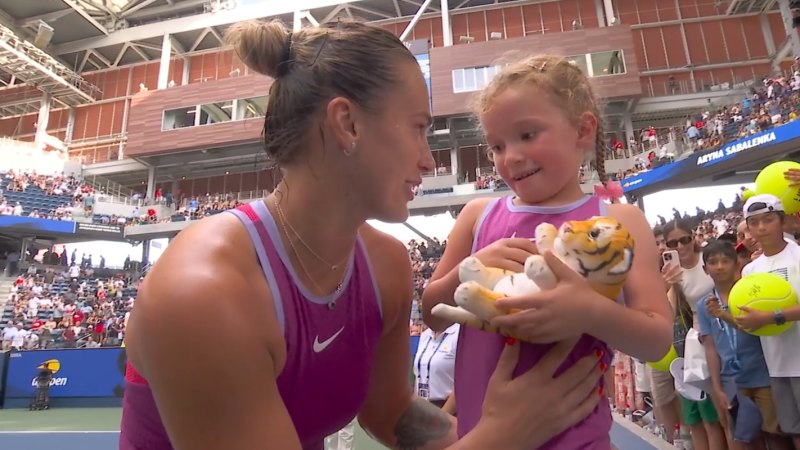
286,223
339,285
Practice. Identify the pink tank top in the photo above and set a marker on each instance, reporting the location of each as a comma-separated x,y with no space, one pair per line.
329,350
478,351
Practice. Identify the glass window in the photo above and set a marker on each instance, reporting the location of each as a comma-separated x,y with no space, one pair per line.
216,113
179,118
469,80
608,63
458,80
480,78
580,62
250,108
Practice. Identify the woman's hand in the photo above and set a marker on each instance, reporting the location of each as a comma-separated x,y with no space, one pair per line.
512,408
673,274
509,254
552,315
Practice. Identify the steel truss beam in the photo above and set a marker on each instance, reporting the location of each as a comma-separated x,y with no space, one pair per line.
196,22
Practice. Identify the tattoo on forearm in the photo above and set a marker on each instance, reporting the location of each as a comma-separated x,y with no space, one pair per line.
422,423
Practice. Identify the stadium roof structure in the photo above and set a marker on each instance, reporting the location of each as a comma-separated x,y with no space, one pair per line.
91,35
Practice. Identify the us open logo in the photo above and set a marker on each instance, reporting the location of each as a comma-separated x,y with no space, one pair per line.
54,365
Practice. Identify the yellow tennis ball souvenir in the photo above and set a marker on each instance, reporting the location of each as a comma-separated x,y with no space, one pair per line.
763,292
772,181
663,364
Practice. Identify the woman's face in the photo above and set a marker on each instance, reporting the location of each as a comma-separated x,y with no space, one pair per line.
681,241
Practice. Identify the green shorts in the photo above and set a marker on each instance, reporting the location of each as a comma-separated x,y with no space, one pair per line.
693,412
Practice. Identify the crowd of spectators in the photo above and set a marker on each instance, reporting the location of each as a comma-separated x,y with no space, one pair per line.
66,307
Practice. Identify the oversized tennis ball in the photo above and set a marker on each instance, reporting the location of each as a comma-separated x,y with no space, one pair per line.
663,364
763,292
772,181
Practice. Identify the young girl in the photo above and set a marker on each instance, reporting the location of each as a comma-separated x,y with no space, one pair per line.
541,120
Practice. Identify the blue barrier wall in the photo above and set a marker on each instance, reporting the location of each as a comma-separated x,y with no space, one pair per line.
81,377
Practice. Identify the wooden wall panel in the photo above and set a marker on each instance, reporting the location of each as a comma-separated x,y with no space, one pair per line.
751,27
476,25
654,48
513,21
436,32
688,9
569,12
626,11
145,136
778,30
494,22
551,20
715,42
735,39
694,37
667,11
588,14
444,60
648,10
458,24
676,56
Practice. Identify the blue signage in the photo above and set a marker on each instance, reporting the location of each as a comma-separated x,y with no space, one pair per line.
77,373
424,61
653,176
34,224
763,139
772,136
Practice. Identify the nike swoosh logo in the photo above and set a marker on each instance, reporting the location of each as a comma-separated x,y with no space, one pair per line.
320,346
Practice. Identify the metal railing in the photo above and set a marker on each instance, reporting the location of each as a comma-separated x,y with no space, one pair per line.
682,87
114,192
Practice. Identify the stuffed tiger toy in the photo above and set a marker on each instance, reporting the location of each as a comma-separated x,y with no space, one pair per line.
600,249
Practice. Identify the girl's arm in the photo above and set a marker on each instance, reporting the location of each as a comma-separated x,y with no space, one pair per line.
643,327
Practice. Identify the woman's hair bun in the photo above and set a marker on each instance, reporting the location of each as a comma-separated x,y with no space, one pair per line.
260,45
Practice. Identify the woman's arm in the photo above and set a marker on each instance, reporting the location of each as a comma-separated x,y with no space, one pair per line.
392,414
444,280
208,396
643,327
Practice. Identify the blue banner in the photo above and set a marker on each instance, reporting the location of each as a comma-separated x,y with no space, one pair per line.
424,61
34,224
729,151
95,372
764,139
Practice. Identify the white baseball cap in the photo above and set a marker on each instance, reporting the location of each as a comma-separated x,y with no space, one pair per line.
770,202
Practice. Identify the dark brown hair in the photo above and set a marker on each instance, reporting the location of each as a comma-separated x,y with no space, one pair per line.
310,67
564,82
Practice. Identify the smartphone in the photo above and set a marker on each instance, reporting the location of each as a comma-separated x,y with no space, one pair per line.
670,257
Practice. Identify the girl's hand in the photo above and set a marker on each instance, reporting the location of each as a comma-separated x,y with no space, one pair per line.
553,315
509,254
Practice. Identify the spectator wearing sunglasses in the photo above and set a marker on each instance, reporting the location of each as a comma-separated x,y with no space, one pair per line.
687,282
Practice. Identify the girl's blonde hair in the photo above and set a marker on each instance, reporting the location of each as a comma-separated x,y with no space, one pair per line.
566,85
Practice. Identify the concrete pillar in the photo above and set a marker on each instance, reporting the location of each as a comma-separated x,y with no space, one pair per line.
786,15
187,65
609,10
42,120
628,124
601,14
145,252
70,126
163,68
298,21
151,183
447,29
